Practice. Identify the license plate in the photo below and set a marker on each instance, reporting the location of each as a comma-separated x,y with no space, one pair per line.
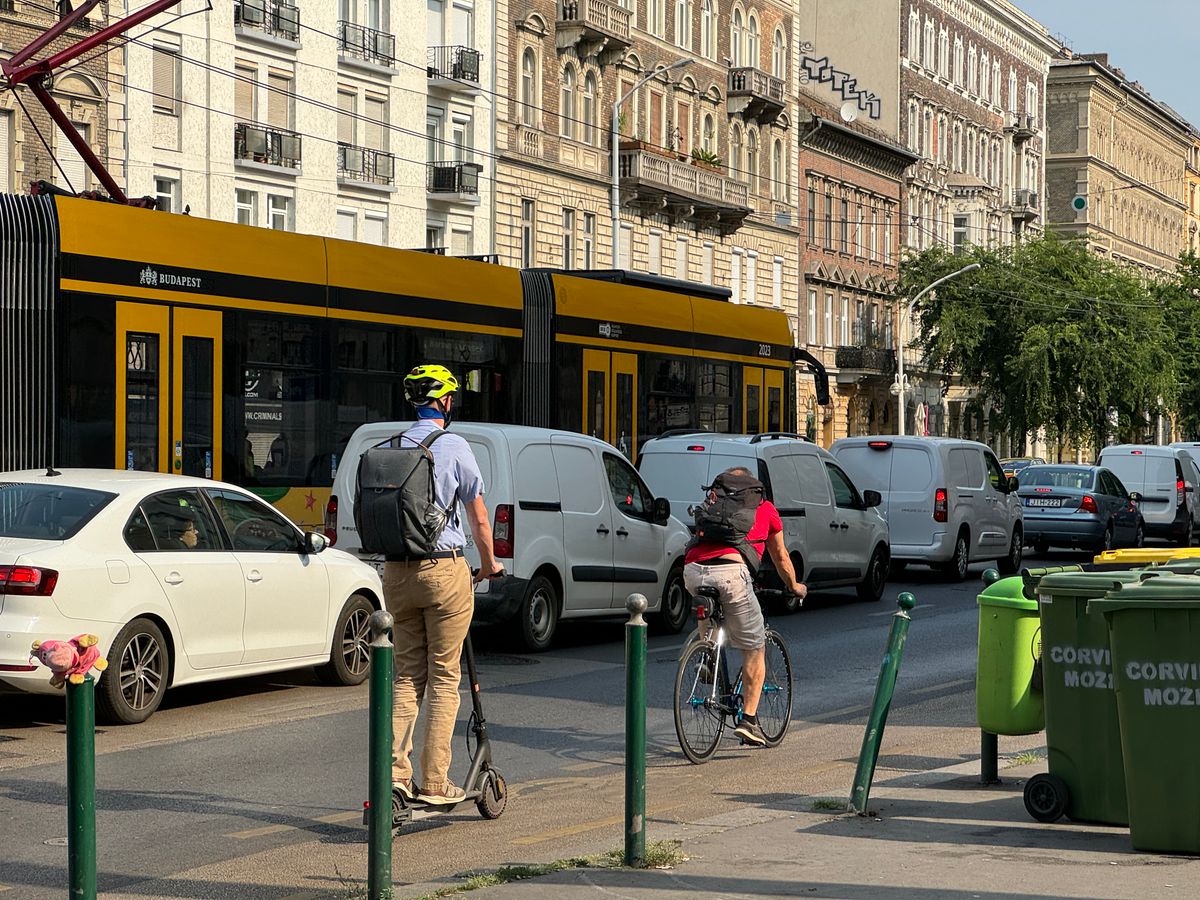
1043,501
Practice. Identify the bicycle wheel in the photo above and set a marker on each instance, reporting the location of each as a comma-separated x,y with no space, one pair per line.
775,704
697,723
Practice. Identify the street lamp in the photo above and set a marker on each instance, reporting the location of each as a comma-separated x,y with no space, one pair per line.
900,387
615,192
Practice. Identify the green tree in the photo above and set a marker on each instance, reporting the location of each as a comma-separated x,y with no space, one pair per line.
1181,298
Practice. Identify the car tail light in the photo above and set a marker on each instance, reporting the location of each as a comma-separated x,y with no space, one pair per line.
1179,492
696,447
29,581
879,445
504,531
331,520
1088,505
941,511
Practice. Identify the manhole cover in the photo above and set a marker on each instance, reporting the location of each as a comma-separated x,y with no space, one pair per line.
499,659
57,842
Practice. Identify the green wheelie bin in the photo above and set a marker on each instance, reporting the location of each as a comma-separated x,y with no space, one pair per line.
1006,701
1154,633
1086,779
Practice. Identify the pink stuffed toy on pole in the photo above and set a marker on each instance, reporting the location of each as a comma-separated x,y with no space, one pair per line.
70,660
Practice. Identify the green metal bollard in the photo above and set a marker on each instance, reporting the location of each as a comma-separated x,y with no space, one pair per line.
635,732
81,788
379,823
884,689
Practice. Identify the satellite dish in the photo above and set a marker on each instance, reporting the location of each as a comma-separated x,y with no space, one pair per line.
849,111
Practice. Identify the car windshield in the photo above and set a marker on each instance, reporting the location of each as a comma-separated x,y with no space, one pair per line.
47,512
1016,465
1053,476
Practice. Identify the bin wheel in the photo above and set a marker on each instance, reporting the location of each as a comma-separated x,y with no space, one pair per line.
1046,797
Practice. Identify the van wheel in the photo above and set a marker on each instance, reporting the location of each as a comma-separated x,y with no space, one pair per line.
1185,539
956,568
1011,564
871,588
537,619
676,605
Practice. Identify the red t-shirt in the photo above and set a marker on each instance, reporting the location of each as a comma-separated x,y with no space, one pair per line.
766,523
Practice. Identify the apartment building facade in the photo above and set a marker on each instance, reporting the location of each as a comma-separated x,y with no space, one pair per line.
86,95
1191,236
707,161
1116,172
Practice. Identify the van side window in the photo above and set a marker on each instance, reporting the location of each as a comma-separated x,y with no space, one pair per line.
844,494
628,492
966,470
814,483
995,473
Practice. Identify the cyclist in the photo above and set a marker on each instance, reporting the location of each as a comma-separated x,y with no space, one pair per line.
723,567
432,598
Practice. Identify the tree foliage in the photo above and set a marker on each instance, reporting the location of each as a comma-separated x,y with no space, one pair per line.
1054,337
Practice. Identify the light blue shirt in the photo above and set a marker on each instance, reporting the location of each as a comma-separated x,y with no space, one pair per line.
456,478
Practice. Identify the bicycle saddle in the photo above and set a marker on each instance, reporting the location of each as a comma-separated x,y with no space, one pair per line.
711,592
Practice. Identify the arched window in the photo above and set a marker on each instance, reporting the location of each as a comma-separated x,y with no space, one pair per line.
778,180
752,159
736,168
683,23
928,53
708,22
566,112
914,125
589,108
996,86
708,137
528,86
914,35
779,56
736,32
753,47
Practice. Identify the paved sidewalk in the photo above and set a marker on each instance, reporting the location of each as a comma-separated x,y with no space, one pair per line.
936,834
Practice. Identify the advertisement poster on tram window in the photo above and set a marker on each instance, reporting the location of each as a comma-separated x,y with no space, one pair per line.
266,442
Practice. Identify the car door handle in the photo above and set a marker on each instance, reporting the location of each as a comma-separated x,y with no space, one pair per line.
603,529
833,525
844,526
254,575
173,578
621,532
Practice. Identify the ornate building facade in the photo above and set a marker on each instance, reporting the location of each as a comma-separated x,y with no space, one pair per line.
1191,236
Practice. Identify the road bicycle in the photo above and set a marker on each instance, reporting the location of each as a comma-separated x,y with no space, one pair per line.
706,699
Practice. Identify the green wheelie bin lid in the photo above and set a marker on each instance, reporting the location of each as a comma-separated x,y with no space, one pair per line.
1154,633
1008,593
1005,699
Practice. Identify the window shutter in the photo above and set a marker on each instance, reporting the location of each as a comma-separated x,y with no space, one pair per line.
374,131
345,123
72,164
243,94
373,229
5,149
166,96
345,225
279,103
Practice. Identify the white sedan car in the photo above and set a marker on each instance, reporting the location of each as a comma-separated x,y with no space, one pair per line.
183,580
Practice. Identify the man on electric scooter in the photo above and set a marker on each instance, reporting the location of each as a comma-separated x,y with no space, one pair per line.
725,564
432,598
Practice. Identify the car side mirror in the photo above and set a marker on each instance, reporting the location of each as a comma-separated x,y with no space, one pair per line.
871,499
662,511
314,542
1135,497
1013,484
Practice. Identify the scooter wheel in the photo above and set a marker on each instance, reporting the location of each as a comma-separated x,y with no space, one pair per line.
1046,797
493,796
400,813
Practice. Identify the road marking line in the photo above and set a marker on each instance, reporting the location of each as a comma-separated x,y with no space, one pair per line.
4,887
837,713
946,685
586,766
261,832
581,827
337,818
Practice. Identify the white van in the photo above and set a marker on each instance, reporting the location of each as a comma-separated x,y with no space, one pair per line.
833,533
574,526
946,501
1166,477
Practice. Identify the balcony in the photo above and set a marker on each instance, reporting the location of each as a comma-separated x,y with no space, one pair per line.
269,19
257,145
362,44
855,362
365,166
1023,128
593,27
453,182
454,70
755,95
1025,204
683,192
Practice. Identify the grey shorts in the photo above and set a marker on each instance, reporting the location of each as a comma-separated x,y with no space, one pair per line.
743,616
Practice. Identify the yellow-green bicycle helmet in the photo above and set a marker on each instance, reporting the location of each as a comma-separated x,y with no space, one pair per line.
425,384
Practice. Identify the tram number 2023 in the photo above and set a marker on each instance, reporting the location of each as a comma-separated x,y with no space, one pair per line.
764,349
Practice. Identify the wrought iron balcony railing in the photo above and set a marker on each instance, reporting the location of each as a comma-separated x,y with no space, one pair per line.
453,178
270,16
266,144
366,165
367,44
454,63
867,359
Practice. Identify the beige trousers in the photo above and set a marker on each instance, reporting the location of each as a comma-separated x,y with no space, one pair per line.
432,602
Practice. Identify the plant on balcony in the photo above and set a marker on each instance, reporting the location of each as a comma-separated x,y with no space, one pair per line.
706,159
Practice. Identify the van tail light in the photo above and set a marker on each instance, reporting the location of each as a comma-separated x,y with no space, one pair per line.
27,581
504,531
1088,505
331,520
1179,492
941,511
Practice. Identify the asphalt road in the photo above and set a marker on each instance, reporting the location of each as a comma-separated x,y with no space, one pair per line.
275,768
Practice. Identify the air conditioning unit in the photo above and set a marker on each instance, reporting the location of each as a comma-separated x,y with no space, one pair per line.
250,12
352,159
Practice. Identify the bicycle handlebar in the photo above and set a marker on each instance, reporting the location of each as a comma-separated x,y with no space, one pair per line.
773,594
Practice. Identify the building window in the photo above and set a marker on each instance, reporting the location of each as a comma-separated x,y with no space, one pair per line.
828,334
887,240
984,77
874,234
972,71
568,238
914,35
753,47
708,22
751,277
567,110
736,37
779,55
589,108
736,167
529,84
346,132
246,204
374,229
654,252
735,274
811,334
960,234
845,225
828,219
681,139
627,245
778,176
166,191
706,263
279,100
347,225
683,23
655,17
927,47
589,240
996,88
844,325
166,81
777,282
708,138
279,212
681,258
957,75
1012,91
527,234
752,160
858,231
812,214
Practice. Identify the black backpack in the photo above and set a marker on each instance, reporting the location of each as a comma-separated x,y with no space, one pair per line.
727,514
395,504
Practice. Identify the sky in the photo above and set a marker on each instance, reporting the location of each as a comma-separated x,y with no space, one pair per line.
1153,41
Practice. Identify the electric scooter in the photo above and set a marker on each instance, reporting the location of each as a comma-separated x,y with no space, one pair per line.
484,785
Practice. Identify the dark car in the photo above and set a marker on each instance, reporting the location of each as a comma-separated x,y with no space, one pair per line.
1079,506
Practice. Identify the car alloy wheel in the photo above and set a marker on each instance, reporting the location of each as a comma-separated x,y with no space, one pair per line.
356,640
142,671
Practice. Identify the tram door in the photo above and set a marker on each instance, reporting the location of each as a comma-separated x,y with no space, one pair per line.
762,399
610,399
168,390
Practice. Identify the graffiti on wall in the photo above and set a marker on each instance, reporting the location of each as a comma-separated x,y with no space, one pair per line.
822,71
